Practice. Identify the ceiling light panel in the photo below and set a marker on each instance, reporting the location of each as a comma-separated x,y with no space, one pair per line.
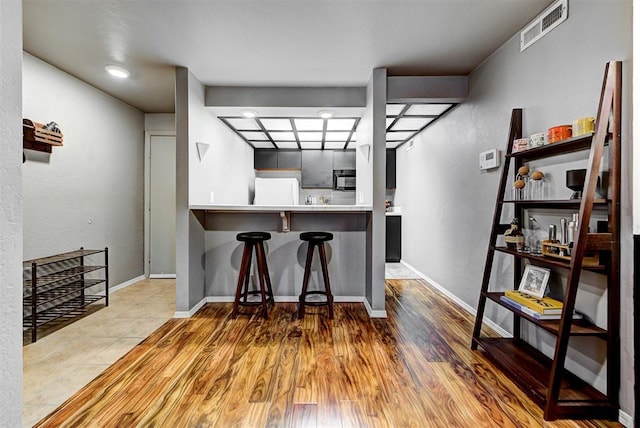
282,136
399,136
394,109
309,124
340,124
389,121
337,136
352,145
410,124
427,109
243,124
334,144
276,124
262,144
255,136
310,136
311,145
287,144
393,144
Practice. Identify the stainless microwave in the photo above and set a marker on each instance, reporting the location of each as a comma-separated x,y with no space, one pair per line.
344,179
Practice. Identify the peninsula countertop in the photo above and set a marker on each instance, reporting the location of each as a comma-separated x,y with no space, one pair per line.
280,208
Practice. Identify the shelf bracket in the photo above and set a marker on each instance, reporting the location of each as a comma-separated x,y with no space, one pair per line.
285,216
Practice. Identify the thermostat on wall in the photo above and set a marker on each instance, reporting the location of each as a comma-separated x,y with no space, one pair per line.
489,159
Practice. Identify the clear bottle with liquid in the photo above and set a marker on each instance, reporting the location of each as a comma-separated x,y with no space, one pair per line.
513,237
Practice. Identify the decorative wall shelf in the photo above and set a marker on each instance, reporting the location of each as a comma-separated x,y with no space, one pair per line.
36,137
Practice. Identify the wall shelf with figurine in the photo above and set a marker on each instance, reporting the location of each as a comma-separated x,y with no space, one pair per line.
560,393
40,137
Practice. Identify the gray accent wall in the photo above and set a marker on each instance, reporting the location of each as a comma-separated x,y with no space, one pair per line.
11,213
89,192
448,203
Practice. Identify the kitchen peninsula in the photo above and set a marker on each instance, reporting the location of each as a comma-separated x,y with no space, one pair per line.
350,225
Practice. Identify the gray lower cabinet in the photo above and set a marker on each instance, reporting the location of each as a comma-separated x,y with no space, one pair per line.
393,250
317,169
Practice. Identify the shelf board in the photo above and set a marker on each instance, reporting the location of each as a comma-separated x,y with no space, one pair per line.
531,371
42,261
546,261
61,276
575,144
556,203
55,292
580,327
68,309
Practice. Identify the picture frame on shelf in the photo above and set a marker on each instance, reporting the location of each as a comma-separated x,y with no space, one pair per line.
534,280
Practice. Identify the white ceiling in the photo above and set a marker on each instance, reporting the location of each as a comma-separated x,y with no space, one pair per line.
265,42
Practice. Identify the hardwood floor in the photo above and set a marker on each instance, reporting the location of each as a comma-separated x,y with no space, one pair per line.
413,369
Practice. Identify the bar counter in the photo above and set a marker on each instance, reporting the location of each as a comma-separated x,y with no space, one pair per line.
350,225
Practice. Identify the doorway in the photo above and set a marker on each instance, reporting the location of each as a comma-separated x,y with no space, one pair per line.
161,207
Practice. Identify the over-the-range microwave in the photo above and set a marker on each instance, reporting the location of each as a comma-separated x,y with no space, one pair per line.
344,179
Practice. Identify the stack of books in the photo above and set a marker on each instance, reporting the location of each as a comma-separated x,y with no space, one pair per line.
540,308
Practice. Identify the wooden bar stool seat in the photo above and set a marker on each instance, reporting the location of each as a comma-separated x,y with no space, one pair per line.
316,239
253,240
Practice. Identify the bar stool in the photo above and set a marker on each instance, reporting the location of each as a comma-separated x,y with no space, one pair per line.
316,239
253,240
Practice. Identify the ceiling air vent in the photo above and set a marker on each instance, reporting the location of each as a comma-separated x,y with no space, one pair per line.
553,16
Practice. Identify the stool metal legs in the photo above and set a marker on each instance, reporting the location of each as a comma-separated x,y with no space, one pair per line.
305,281
242,289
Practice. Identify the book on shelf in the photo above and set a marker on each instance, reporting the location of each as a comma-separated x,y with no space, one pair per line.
532,313
542,305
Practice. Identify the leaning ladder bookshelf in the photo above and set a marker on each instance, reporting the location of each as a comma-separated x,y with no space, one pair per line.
560,393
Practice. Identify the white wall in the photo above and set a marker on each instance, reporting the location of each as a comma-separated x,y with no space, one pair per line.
11,213
90,191
227,167
448,203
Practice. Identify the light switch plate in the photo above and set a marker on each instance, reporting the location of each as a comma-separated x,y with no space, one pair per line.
490,159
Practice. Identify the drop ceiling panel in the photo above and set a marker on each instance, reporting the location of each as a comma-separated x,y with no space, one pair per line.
262,144
394,109
310,136
334,145
254,136
337,136
311,145
427,109
410,124
283,136
400,135
287,144
241,123
309,124
340,124
276,124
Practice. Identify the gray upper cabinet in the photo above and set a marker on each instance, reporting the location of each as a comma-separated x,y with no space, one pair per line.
289,159
277,159
317,169
344,159
265,159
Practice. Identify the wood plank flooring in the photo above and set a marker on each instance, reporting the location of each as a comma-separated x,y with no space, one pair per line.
413,369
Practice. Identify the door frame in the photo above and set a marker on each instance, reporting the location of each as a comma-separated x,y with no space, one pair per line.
147,200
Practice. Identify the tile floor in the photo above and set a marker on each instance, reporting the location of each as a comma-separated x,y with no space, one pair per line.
63,361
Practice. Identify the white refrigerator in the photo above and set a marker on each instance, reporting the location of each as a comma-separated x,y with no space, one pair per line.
277,191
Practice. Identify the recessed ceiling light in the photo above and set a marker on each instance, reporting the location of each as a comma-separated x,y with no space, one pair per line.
119,72
250,114
325,114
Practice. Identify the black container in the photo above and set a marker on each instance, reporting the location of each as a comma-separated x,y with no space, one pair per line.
575,182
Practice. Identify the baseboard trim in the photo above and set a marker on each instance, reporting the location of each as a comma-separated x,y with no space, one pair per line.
374,313
191,312
281,299
162,276
125,284
625,419
502,332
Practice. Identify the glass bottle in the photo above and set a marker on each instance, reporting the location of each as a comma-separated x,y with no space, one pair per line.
513,237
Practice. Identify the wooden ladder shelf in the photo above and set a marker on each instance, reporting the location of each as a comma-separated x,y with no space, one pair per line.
560,393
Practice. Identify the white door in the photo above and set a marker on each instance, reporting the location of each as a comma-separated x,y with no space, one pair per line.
162,206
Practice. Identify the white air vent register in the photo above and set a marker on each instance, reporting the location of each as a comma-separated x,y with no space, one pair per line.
553,16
